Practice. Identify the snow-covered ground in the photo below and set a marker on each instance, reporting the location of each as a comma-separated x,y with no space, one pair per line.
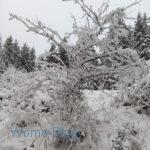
110,118
113,118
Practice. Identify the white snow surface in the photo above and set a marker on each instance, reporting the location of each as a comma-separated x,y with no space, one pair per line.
111,118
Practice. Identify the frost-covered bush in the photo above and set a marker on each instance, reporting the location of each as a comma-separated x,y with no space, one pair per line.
11,81
27,92
139,95
47,94
127,138
131,69
75,113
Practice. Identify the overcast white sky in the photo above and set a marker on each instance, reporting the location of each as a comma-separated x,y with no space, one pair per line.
54,13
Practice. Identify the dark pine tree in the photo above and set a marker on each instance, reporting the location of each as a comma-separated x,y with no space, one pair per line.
145,46
60,57
138,32
64,57
8,50
52,58
2,58
32,59
142,37
25,58
16,54
0,42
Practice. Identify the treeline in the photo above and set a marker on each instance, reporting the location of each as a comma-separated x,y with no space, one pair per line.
139,36
136,37
12,54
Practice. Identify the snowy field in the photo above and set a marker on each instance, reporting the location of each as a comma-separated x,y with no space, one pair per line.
109,117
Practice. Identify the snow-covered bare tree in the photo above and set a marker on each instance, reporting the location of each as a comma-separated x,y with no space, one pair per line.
93,36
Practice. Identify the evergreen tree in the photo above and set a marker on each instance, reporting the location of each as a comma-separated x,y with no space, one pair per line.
16,54
2,61
12,52
20,59
8,48
52,57
25,58
59,57
63,55
145,46
118,31
142,37
138,32
0,42
32,59
130,37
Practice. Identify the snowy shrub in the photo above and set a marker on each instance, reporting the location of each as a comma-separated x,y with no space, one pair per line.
127,138
74,113
139,95
47,94
132,68
11,81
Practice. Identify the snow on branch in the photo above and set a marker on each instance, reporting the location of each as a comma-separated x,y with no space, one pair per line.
137,2
97,18
40,29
